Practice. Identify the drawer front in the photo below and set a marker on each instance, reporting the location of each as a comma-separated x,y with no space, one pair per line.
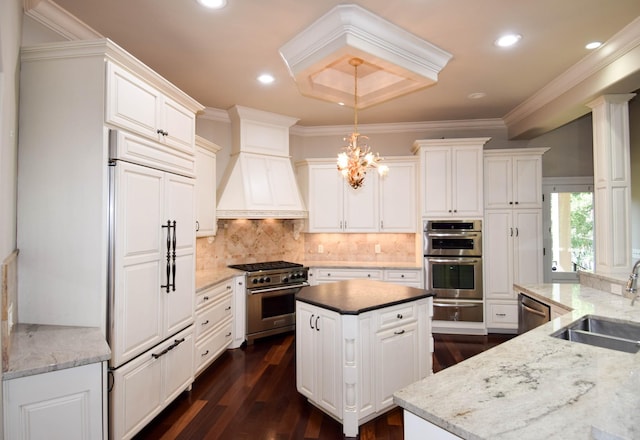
212,294
209,317
348,274
458,311
502,315
210,347
409,276
396,316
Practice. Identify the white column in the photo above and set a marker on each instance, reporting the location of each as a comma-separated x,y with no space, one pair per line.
612,184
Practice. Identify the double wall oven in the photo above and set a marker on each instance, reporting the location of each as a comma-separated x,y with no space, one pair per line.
453,268
271,288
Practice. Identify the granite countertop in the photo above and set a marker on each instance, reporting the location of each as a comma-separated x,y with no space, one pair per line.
37,349
536,386
353,297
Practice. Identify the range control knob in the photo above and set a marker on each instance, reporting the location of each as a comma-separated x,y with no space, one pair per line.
255,281
285,280
267,280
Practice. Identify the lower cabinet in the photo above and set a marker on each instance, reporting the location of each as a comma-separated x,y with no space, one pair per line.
213,324
502,316
142,388
350,365
416,428
59,405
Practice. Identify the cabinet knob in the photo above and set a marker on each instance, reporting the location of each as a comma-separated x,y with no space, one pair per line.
205,298
510,203
368,275
399,315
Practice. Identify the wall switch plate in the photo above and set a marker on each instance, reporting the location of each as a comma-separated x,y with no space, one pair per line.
320,249
377,249
10,318
616,289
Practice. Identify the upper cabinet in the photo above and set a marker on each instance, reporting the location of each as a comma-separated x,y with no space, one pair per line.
134,104
451,177
382,204
513,178
206,225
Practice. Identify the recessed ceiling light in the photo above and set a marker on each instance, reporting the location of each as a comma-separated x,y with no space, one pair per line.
266,78
213,4
508,40
476,95
593,45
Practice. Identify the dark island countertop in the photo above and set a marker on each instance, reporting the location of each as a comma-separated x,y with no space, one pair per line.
353,297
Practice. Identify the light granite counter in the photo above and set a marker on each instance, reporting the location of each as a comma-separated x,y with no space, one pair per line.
539,387
208,278
37,349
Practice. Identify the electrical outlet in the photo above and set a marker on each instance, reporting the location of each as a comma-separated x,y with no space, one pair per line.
377,249
616,289
320,249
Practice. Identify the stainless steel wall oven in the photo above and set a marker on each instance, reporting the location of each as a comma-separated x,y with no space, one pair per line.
453,268
270,293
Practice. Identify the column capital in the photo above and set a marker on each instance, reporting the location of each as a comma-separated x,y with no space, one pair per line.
620,98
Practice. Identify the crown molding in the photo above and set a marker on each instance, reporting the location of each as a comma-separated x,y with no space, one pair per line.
615,48
52,16
215,114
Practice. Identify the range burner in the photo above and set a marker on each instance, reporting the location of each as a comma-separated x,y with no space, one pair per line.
267,265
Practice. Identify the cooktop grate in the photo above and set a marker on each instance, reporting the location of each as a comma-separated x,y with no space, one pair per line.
266,265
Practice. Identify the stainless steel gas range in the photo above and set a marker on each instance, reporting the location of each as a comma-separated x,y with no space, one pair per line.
270,293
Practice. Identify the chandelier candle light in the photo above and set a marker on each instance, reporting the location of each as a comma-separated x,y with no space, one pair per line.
357,157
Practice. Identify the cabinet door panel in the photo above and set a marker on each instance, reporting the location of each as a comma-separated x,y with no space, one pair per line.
179,123
329,391
361,207
497,182
325,200
131,103
528,246
467,181
305,351
498,255
527,187
436,190
138,261
205,192
397,198
178,371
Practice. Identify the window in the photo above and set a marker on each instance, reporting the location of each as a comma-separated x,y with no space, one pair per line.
567,229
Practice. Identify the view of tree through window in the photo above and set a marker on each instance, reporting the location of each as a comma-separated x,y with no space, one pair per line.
572,231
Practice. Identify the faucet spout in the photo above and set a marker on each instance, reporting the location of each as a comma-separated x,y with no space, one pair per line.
633,282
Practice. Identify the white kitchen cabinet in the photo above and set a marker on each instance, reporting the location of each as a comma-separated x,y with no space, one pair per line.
60,405
382,204
451,177
406,277
348,365
136,105
206,225
513,254
417,428
513,178
143,387
145,198
333,274
318,349
398,196
97,187
213,324
502,314
333,205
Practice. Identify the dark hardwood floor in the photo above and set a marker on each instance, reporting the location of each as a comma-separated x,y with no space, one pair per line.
250,393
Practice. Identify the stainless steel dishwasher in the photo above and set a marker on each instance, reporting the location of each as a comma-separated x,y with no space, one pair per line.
531,313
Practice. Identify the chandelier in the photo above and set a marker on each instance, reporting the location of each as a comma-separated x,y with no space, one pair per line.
357,157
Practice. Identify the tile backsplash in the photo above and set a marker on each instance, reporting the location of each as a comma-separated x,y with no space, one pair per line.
8,295
249,241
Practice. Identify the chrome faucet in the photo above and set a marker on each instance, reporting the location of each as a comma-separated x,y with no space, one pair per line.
633,281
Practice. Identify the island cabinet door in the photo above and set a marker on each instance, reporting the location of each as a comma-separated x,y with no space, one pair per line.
318,357
397,360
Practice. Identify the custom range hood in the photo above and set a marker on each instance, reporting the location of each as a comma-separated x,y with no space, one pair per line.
259,181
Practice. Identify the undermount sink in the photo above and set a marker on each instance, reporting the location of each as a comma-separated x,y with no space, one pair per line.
603,332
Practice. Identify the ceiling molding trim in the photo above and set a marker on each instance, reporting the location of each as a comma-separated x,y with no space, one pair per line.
401,127
620,44
215,114
52,16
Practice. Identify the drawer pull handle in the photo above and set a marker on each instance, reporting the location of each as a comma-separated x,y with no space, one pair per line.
205,323
204,354
501,314
227,335
228,308
205,298
399,316
399,332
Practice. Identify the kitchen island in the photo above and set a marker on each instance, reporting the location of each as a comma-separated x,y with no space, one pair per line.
535,386
359,341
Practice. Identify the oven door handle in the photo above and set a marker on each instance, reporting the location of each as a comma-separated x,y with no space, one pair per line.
274,289
454,235
452,260
458,305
